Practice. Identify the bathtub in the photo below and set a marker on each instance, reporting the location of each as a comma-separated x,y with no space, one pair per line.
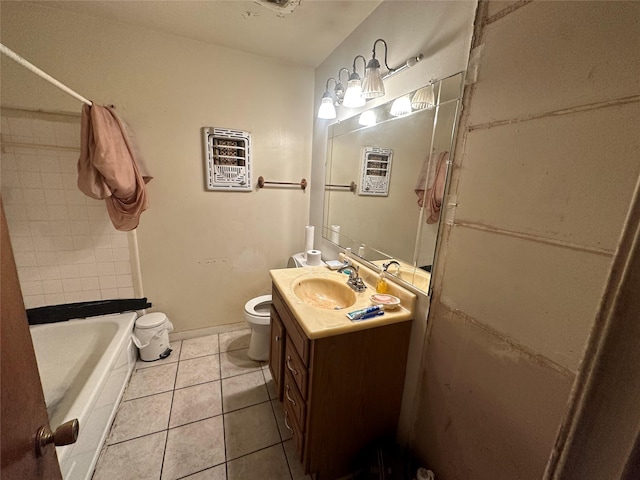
84,367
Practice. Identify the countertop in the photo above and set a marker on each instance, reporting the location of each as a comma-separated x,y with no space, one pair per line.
319,323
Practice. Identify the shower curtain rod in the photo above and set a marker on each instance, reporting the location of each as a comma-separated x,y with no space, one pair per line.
30,66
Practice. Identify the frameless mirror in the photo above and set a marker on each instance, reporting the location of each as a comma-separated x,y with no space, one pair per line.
379,165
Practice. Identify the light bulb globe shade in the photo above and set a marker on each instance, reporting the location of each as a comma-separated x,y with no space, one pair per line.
368,118
372,85
400,106
423,98
327,110
352,97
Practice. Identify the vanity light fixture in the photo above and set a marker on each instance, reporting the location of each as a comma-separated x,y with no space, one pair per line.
372,85
327,110
353,95
400,106
368,118
424,98
339,89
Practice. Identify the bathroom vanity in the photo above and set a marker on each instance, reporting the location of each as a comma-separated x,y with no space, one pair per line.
340,382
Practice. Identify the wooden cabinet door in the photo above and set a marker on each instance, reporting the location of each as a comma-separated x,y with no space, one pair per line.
276,350
23,409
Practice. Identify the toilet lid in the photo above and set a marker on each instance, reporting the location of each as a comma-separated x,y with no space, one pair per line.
259,306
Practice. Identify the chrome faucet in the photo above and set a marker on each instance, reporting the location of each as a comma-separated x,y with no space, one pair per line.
386,266
354,281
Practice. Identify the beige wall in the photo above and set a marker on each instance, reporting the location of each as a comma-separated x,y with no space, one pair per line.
547,159
203,254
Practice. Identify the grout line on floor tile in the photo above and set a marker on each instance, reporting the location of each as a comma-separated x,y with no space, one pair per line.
256,451
284,451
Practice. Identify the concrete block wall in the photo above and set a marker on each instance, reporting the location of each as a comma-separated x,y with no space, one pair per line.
547,158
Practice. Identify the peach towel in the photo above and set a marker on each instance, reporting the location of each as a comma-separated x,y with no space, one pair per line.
432,177
110,166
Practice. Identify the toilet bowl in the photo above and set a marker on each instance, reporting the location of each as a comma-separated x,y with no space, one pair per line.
257,314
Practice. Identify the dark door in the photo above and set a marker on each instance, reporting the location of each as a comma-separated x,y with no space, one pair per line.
23,410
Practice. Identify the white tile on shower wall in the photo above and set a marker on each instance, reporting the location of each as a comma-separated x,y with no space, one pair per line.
15,212
85,256
37,212
102,241
57,213
126,292
30,179
80,227
44,259
69,272
48,164
24,244
52,180
43,244
124,281
120,240
29,274
105,268
52,286
10,178
31,288
74,197
70,285
83,243
121,254
50,272
60,228
97,212
104,255
87,270
27,163
78,213
90,283
54,299
107,282
12,196
20,228
66,257
122,268
74,297
34,196
33,301
109,293
39,228
25,259
70,180
54,197
63,243
91,295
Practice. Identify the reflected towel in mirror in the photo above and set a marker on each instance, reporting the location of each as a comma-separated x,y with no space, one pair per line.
432,177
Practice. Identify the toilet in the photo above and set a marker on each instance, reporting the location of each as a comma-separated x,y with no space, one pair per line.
257,313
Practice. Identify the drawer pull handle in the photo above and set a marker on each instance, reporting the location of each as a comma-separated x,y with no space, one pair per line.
293,402
293,370
277,338
286,424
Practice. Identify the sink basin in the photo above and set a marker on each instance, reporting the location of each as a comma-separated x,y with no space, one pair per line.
324,293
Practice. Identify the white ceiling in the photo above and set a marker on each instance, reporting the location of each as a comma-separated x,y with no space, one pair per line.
306,36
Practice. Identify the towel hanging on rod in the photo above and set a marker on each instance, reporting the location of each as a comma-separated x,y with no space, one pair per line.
30,66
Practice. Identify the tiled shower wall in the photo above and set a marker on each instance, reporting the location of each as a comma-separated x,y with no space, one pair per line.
65,247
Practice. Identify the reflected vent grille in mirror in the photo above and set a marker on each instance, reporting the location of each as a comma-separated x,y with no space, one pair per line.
227,159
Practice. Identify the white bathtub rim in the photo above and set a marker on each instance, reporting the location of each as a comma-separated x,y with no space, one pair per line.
84,403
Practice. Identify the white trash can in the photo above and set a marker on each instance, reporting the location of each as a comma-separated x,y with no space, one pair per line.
151,336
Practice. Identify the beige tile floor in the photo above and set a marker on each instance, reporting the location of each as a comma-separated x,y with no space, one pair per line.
207,412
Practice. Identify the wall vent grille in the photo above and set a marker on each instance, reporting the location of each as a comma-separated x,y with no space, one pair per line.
227,159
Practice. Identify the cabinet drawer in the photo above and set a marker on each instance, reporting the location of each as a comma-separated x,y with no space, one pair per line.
294,366
276,351
296,434
294,330
294,400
